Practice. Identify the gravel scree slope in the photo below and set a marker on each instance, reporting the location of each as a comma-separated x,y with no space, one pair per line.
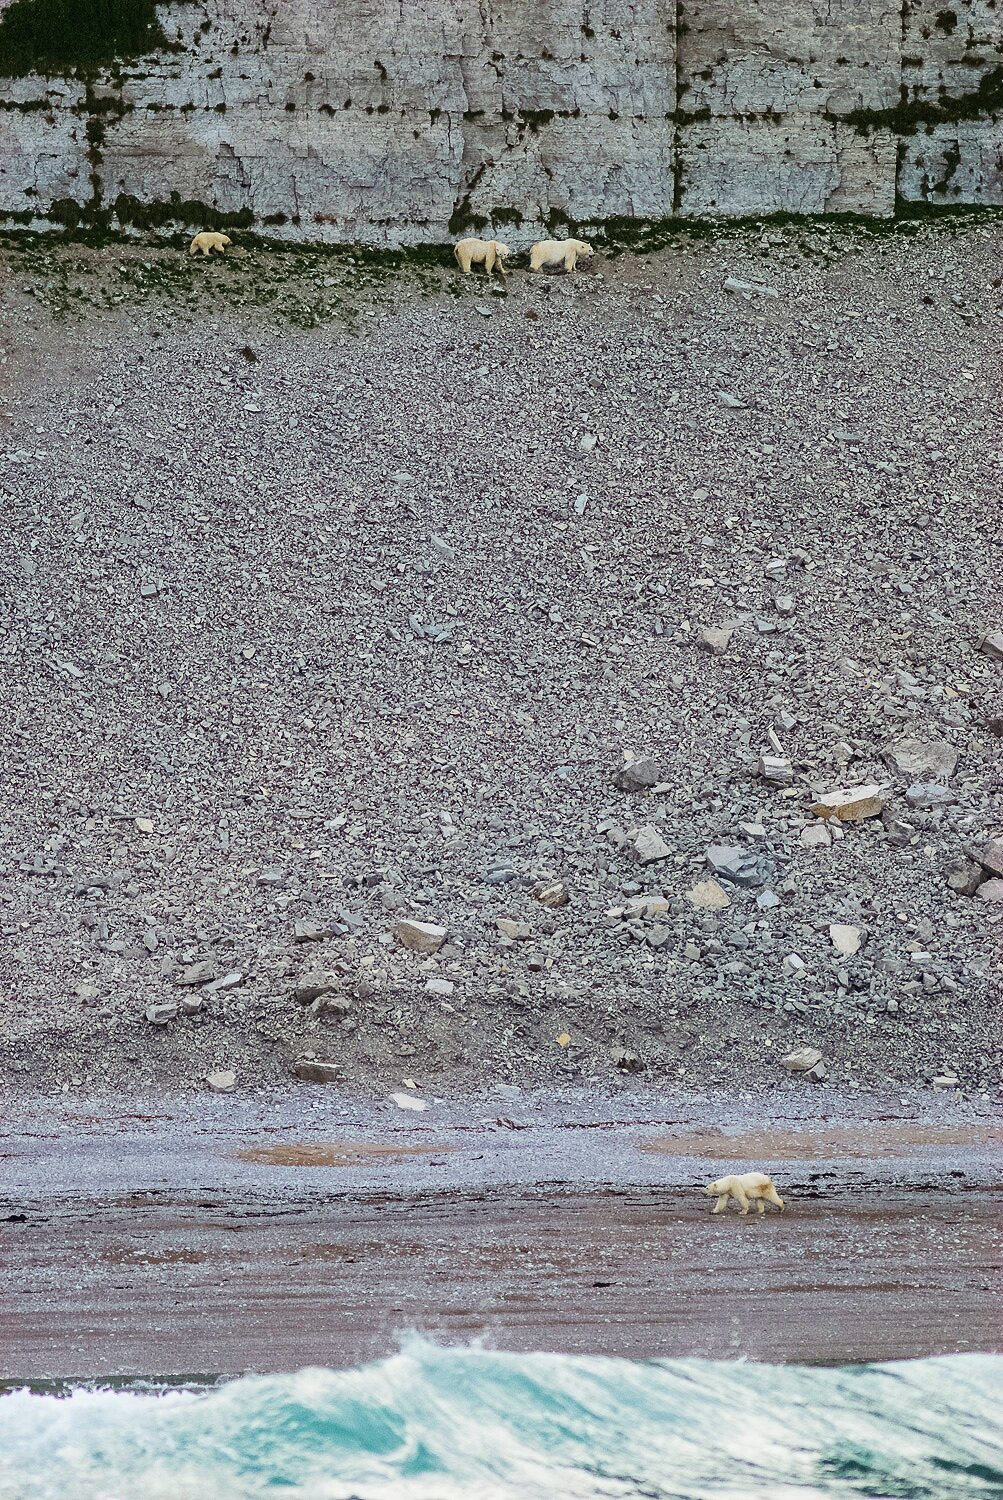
309,629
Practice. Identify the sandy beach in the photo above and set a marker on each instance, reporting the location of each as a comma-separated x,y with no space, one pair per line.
272,1233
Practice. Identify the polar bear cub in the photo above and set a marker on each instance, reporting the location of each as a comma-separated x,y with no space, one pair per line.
753,1186
558,253
475,252
207,242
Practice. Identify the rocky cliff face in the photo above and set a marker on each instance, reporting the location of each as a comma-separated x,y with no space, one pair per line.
389,123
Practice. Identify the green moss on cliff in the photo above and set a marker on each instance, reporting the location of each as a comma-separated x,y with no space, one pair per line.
60,36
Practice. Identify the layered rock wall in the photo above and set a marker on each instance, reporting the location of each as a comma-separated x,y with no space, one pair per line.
390,122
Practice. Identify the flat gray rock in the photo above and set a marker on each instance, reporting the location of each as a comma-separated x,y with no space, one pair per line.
922,759
734,863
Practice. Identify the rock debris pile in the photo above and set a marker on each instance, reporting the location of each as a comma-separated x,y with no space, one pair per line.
363,721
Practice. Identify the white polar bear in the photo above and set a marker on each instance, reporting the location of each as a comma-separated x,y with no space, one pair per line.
475,252
755,1186
208,241
558,253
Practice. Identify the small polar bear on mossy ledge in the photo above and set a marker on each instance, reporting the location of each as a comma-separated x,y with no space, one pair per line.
751,1187
474,252
210,243
566,253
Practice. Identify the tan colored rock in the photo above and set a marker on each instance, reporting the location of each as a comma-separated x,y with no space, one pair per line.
708,895
510,928
223,1082
846,939
715,638
648,907
551,893
802,1060
850,804
420,937
309,1070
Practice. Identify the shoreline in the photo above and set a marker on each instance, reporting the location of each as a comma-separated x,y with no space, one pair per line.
175,1247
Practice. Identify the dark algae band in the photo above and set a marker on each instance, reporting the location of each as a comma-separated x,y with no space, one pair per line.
65,36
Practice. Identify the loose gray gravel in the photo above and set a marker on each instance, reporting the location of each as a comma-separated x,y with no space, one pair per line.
310,630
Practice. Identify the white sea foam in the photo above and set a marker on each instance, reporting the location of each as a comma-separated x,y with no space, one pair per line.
441,1424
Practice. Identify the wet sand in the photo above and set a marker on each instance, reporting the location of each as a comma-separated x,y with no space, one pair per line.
212,1240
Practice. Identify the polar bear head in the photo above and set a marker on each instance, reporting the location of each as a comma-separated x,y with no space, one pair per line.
582,247
715,1189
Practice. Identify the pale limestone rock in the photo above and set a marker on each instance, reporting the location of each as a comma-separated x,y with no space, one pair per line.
845,938
957,161
223,1082
509,928
850,804
917,759
649,845
716,639
648,907
776,769
355,122
420,937
551,893
736,166
708,895
802,1060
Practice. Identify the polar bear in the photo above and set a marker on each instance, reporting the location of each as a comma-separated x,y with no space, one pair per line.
558,253
754,1186
208,241
486,253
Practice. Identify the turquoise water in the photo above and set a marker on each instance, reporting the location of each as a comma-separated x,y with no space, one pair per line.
440,1424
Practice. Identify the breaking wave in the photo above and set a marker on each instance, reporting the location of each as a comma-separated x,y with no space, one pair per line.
433,1423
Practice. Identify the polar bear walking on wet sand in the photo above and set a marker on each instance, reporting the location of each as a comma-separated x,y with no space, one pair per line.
474,252
564,253
751,1187
210,243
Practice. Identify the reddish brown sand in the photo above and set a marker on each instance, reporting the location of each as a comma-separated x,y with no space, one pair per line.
172,1288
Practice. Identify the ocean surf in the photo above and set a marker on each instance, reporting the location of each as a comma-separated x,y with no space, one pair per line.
434,1423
